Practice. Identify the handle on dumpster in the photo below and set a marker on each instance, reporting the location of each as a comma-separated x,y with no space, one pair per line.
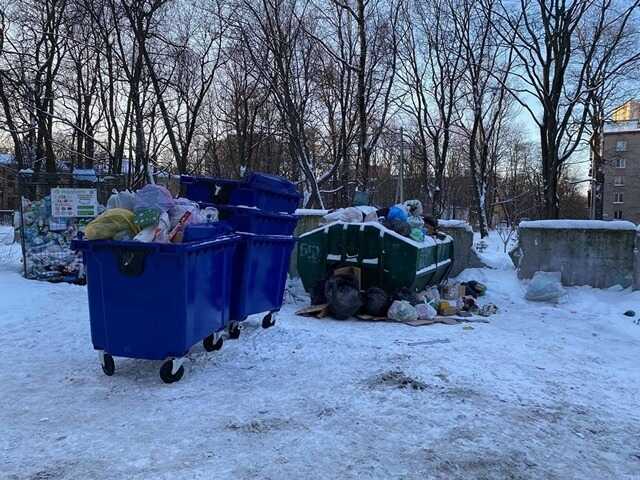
131,262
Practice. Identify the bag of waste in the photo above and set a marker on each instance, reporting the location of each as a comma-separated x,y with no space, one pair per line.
545,287
156,196
397,212
110,223
155,233
376,302
399,227
347,215
183,205
209,215
417,234
146,217
475,289
343,296
402,311
370,214
407,295
415,222
426,311
414,208
124,199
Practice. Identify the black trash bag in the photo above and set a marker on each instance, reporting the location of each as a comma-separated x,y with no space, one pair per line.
398,226
343,296
376,302
408,295
317,293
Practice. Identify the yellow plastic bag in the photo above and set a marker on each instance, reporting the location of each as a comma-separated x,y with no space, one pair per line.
110,223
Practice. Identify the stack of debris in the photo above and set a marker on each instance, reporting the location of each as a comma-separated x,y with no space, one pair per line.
340,296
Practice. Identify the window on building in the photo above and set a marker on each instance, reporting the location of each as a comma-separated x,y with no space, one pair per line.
618,181
621,146
617,197
617,214
620,163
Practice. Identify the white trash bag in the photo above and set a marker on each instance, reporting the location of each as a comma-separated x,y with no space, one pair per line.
402,311
545,287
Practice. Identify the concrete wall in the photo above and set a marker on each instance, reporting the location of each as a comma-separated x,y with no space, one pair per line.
597,255
464,255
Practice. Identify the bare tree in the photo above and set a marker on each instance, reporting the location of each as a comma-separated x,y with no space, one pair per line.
432,66
554,72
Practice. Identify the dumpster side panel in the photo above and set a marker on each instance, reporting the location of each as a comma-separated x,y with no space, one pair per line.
312,258
400,263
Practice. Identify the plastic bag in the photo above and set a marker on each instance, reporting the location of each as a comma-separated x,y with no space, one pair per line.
146,217
398,226
209,215
426,311
124,199
417,235
154,196
408,295
370,214
402,311
347,215
376,302
183,205
155,233
343,296
545,287
397,212
110,223
414,208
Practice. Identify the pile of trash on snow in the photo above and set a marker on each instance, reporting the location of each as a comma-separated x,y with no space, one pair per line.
340,296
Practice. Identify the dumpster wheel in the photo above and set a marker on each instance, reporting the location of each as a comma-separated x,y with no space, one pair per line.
234,330
108,365
212,342
168,375
268,320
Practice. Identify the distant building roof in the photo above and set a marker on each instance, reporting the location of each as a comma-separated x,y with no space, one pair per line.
85,174
629,110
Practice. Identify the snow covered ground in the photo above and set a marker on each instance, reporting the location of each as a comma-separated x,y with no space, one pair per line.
542,392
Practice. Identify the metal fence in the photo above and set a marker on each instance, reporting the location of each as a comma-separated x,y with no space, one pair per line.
46,238
6,217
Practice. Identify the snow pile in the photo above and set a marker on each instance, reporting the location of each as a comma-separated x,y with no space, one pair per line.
311,212
455,224
7,235
580,224
491,251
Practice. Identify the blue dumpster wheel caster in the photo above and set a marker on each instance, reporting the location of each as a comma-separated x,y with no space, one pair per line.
234,330
168,375
212,343
268,320
108,365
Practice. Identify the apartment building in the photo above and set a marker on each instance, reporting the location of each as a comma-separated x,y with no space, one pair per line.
621,164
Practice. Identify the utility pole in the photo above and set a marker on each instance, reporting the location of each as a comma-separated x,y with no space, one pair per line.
401,173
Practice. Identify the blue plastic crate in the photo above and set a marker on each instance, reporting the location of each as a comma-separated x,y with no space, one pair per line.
155,301
253,220
208,189
261,263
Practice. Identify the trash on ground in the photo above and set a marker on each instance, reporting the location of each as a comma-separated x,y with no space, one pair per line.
545,287
630,313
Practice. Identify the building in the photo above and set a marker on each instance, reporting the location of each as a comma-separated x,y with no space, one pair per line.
621,164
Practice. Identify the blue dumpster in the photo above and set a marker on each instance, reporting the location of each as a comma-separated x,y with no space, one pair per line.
155,301
266,192
261,263
253,220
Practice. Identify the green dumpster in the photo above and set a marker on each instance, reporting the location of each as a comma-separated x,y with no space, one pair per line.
386,259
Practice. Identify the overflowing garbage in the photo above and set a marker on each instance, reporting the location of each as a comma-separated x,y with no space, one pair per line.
340,296
406,219
46,243
149,215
